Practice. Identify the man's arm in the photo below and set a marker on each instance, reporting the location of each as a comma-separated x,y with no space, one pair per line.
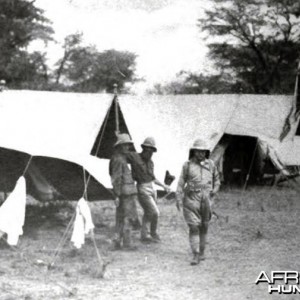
180,186
164,186
216,180
116,170
155,180
131,156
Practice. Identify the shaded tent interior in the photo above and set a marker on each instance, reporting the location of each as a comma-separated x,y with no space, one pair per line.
48,178
239,157
298,130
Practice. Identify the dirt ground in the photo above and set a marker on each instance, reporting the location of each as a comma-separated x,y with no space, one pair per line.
257,230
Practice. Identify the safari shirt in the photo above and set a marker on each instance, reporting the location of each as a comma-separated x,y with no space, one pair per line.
142,171
197,177
121,176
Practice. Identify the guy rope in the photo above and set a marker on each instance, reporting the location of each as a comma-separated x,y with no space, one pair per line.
102,264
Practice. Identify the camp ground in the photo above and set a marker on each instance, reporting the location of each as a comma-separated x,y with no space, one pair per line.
58,139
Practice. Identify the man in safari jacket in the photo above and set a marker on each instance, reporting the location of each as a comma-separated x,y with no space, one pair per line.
198,183
125,192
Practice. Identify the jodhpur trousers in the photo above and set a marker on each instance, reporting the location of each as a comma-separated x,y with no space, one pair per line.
197,213
147,200
125,213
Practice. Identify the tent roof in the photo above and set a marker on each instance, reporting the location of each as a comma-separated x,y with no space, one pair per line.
67,125
211,115
53,124
61,125
176,121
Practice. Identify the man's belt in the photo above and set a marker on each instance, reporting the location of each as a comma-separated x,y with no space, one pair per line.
197,187
194,190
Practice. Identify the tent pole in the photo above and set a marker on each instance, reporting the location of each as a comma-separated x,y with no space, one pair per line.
85,184
116,108
297,93
251,165
97,150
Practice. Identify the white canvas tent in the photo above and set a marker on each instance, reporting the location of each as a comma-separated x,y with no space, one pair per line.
70,127
176,121
62,126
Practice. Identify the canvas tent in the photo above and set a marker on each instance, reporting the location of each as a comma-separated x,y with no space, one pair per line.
176,121
66,132
58,130
248,116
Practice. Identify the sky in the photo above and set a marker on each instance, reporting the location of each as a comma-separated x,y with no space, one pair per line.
163,33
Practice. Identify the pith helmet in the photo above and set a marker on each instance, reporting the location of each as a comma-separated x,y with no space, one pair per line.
199,145
123,138
150,143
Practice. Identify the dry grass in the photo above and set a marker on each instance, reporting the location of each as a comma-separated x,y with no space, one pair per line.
256,230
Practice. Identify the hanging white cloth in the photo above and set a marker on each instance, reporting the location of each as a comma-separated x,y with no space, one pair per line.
12,213
83,223
86,212
78,230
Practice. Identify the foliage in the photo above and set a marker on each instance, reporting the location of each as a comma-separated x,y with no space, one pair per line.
28,71
85,69
194,83
72,42
256,42
21,23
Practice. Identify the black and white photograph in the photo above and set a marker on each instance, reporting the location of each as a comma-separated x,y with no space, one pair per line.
149,149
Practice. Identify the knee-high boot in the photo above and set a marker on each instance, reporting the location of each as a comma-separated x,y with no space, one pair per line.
203,238
194,243
144,229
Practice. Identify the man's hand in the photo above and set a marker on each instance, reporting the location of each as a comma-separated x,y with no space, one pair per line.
117,201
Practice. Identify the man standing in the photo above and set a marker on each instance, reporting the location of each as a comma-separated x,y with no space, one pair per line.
198,183
143,174
125,192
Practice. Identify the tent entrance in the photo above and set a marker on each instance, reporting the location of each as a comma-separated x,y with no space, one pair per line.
298,130
46,178
236,154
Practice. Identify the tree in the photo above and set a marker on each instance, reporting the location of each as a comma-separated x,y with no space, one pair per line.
115,67
258,42
71,44
28,71
193,83
85,69
20,23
